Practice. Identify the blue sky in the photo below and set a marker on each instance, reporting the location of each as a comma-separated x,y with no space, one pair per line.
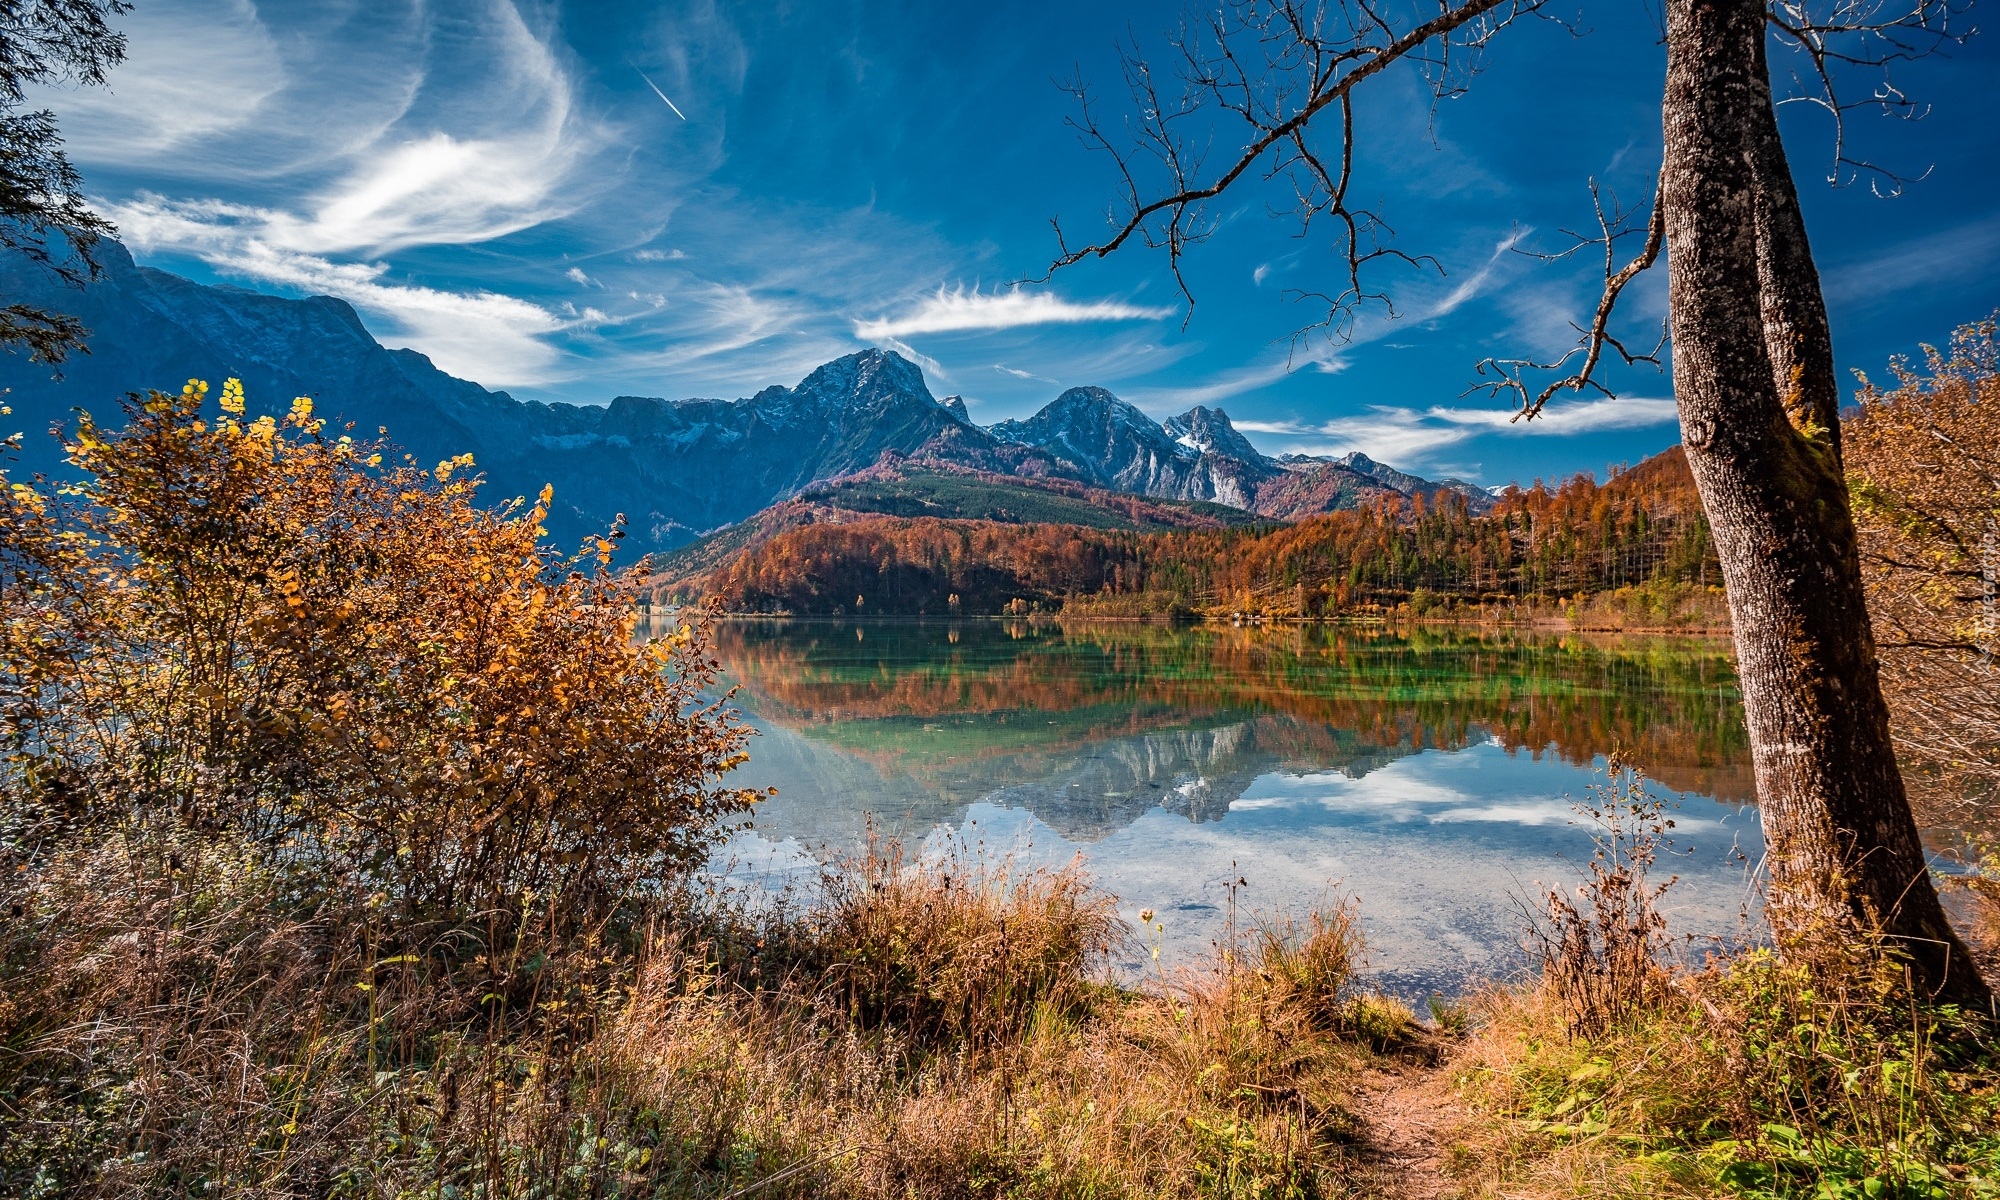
501,186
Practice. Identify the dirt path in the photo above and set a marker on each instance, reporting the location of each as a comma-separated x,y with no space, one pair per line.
1411,1110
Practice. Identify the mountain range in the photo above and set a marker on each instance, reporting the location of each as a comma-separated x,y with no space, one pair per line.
675,468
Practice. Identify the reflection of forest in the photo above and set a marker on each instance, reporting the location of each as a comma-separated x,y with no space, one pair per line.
1090,726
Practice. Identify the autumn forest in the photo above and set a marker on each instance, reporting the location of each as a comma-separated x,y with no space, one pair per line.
1640,530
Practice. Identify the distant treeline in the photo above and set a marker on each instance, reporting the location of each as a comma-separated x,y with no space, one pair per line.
1643,528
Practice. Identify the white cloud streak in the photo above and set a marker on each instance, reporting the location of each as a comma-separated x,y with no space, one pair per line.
1231,383
930,365
960,310
475,335
1473,284
1413,435
1943,257
662,95
1018,373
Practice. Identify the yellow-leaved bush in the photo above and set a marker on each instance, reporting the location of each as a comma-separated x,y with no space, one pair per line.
256,627
327,789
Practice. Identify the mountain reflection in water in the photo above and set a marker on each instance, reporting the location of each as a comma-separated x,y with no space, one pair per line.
1429,773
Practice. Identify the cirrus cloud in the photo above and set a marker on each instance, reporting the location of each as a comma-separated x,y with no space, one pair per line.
1411,437
959,310
498,151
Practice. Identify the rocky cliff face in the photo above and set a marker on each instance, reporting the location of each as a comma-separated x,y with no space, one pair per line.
1094,436
1102,440
1208,431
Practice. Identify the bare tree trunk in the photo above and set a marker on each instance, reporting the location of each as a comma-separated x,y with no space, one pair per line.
1842,842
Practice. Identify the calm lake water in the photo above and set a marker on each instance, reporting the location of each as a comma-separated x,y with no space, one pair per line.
1431,775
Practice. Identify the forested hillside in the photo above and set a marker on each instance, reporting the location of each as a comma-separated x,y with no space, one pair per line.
1642,527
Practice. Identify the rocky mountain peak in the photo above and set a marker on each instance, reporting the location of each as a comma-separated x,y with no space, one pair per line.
1090,428
860,379
1208,431
1095,405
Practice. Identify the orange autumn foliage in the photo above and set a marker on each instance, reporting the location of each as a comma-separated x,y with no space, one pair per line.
1642,526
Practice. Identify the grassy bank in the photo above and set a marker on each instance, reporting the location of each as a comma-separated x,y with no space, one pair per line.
929,1028
1752,1077
918,1028
1625,1071
1653,607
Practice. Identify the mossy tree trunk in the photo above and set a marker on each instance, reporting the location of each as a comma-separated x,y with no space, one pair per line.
1753,376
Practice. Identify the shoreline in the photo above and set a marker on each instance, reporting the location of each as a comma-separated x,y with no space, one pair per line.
1541,624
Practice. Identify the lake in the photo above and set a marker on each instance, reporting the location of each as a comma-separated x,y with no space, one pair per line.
1430,774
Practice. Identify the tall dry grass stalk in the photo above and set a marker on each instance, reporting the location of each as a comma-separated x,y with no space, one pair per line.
1601,953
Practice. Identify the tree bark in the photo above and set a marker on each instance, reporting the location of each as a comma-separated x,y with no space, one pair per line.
1751,354
1796,334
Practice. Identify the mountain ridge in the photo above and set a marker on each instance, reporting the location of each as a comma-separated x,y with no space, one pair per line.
676,469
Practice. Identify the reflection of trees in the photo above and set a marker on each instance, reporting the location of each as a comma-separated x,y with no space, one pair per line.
916,696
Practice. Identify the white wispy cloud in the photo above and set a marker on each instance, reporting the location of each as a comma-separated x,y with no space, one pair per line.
494,338
1474,283
1413,436
733,336
930,365
1232,383
1018,373
155,104
962,310
492,158
1967,250
1578,416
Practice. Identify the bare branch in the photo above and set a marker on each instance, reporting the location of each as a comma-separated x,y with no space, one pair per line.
1277,67
1612,226
1274,66
1873,34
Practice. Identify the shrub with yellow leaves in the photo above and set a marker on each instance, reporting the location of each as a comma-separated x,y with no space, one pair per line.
324,784
257,627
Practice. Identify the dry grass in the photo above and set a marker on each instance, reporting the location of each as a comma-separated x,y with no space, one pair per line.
954,952
183,1019
918,1028
946,1030
1601,952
